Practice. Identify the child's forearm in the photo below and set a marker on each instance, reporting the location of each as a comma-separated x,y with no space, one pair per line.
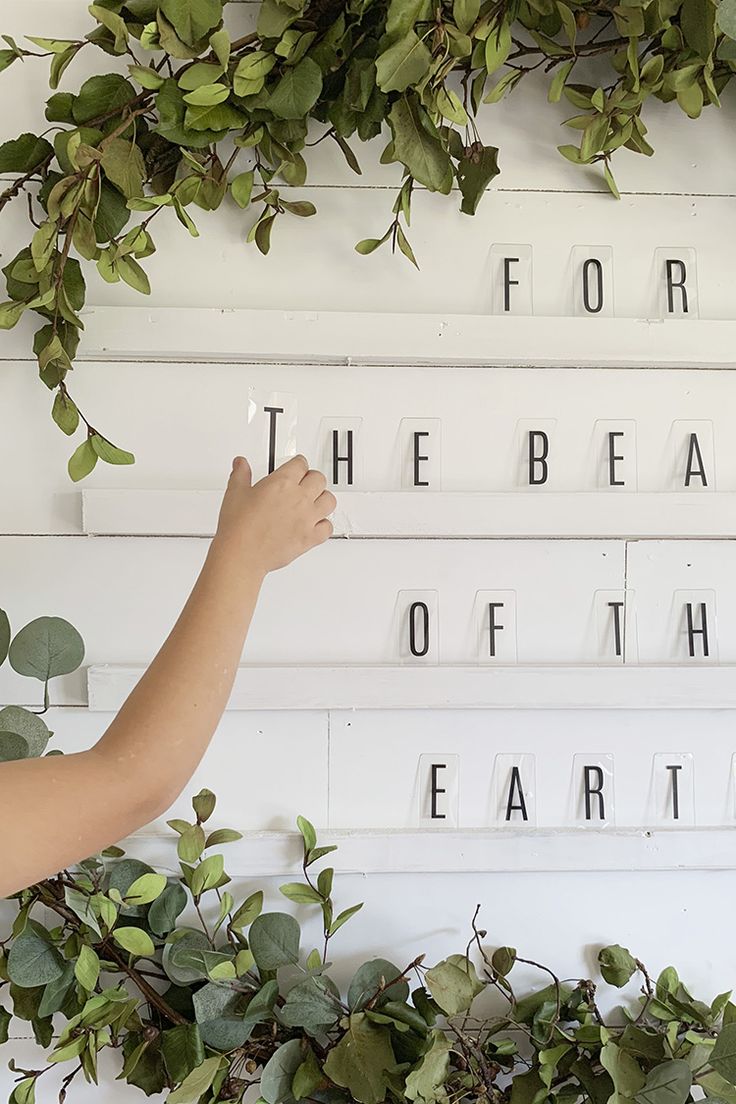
159,736
59,809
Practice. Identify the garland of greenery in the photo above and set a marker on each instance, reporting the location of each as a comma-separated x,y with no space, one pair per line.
209,1011
198,116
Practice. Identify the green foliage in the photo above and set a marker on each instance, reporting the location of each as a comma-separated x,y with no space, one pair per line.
199,120
44,649
206,1012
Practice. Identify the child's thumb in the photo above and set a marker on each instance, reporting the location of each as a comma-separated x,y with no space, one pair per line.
242,471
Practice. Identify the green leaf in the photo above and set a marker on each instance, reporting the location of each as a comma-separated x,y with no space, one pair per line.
15,719
301,893
207,875
182,1051
45,648
404,63
219,1013
376,977
297,92
668,1083
363,1061
146,76
426,1082
87,967
197,1083
617,965
503,960
207,95
65,413
82,461
136,278
192,19
135,941
22,155
274,940
166,909
625,1072
723,1055
103,448
344,917
5,634
313,1004
453,985
726,17
145,889
204,804
177,956
698,25
123,165
475,171
278,1073
101,95
223,835
248,911
498,47
307,1078
33,959
417,145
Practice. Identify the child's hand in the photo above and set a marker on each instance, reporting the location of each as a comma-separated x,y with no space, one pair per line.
278,518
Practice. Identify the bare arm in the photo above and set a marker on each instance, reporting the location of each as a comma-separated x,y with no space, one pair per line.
58,810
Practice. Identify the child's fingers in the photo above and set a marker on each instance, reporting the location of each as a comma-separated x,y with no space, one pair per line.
325,504
323,530
241,470
296,468
314,484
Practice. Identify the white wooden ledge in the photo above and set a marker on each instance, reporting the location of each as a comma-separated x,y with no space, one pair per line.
438,687
395,514
439,851
210,334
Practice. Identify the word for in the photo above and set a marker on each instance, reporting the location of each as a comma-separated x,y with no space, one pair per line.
611,462
591,287
591,802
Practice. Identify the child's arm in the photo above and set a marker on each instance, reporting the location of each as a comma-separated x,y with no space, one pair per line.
59,809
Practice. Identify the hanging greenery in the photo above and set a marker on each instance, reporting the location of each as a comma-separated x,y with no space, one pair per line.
180,116
207,997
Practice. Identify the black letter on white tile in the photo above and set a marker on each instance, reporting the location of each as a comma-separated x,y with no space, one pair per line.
596,790
617,607
337,459
435,790
692,452
273,412
613,457
413,609
508,283
541,459
417,458
493,627
672,283
516,790
596,264
692,632
674,768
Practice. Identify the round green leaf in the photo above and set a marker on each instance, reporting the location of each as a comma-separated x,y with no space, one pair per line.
15,719
13,747
278,1073
145,889
371,977
46,648
33,960
274,940
4,636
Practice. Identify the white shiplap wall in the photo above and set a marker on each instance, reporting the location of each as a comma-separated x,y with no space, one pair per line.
185,420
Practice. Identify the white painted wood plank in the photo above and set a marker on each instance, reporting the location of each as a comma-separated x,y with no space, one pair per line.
453,687
135,332
265,768
337,605
406,514
218,270
449,852
385,748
